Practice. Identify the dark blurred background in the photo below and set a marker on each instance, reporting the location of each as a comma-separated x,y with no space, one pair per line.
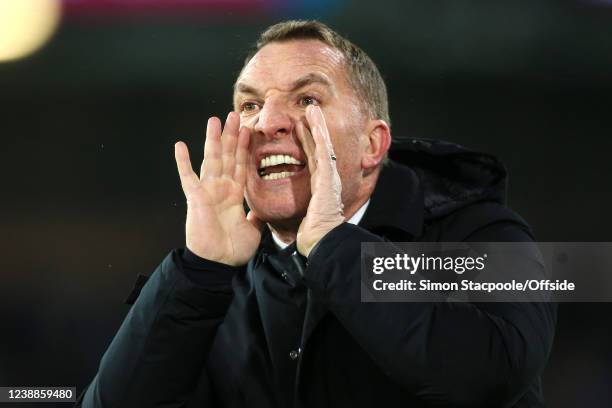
90,196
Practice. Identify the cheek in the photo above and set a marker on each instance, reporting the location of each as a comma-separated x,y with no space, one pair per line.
347,146
349,165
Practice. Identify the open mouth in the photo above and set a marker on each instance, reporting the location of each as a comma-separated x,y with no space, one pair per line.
279,166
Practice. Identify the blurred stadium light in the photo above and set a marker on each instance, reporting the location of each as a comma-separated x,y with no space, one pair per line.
26,25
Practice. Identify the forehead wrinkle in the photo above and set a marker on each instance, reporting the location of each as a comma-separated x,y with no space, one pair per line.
314,61
306,80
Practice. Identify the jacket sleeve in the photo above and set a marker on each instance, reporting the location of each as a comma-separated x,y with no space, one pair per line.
447,353
157,356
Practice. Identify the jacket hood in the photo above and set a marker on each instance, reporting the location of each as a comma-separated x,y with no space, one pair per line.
451,176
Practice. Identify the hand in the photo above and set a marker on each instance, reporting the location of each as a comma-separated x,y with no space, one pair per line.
217,227
325,210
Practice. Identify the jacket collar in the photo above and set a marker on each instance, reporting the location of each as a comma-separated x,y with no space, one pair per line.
396,203
451,176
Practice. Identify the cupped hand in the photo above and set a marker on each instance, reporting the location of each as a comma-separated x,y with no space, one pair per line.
217,227
325,210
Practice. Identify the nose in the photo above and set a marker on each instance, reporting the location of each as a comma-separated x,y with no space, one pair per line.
274,121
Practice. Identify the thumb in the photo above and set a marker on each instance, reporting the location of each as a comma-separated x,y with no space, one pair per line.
256,222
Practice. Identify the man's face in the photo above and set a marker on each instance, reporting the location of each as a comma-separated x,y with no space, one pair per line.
271,95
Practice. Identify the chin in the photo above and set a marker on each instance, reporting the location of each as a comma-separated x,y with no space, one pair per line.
284,218
278,208
278,201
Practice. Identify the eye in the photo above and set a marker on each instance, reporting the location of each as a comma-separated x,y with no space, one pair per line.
308,100
248,107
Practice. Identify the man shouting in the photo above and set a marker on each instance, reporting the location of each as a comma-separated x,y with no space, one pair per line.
262,307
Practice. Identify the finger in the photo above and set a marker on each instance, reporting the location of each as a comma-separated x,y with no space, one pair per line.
189,180
229,140
320,135
308,144
242,153
257,223
212,165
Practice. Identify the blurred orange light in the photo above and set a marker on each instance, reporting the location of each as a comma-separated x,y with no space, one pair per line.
25,26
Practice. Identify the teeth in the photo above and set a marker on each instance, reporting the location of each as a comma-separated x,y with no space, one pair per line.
277,176
277,159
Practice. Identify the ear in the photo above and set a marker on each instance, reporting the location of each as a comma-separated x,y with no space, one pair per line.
376,143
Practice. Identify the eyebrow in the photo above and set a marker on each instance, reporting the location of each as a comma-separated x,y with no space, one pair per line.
306,80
